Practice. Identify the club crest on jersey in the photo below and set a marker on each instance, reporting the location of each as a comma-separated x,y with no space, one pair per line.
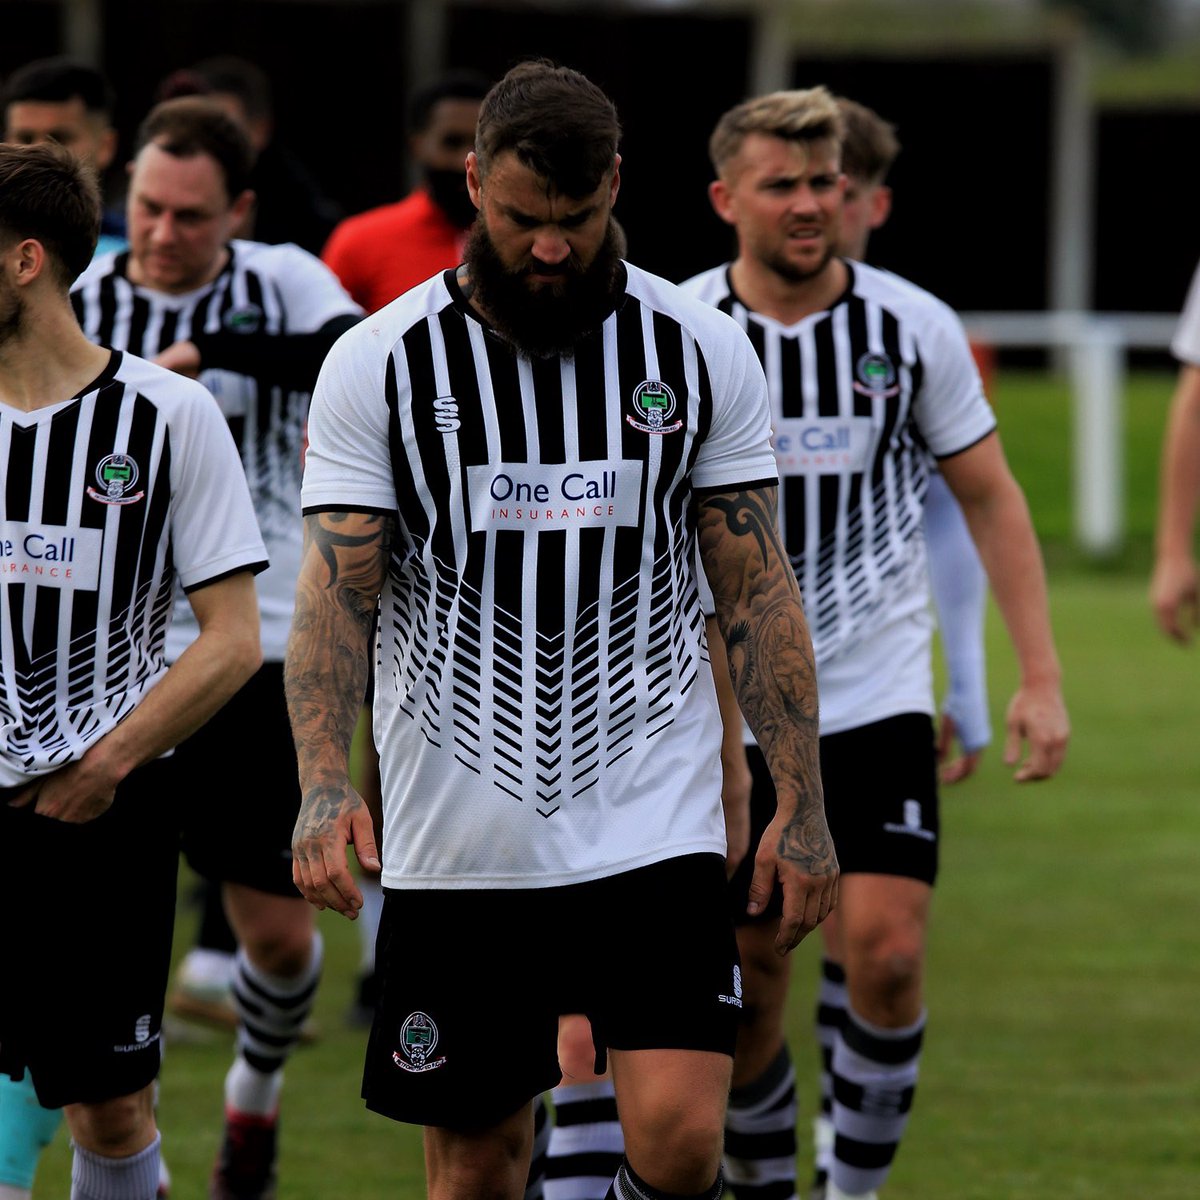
246,318
117,475
875,375
418,1040
654,403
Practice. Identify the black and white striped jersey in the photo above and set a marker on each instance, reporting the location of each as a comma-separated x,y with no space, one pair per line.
263,289
862,394
544,702
106,498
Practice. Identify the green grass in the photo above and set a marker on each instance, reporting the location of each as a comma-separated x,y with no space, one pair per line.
1063,979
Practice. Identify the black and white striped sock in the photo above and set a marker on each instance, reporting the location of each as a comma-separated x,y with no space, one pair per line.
760,1134
874,1078
586,1144
828,1016
272,1011
627,1186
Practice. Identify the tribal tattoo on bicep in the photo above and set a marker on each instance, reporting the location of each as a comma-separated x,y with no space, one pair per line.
770,655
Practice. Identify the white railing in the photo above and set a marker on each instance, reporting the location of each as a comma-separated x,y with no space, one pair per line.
1096,348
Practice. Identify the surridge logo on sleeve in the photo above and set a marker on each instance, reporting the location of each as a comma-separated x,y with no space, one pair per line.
117,475
654,404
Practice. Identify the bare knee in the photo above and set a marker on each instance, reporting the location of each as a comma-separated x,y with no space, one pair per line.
114,1128
276,932
489,1165
576,1050
678,1150
885,976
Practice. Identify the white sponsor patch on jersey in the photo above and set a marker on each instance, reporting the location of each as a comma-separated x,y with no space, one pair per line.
536,496
822,445
62,556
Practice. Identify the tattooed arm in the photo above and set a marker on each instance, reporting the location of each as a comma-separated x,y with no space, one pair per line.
325,677
774,677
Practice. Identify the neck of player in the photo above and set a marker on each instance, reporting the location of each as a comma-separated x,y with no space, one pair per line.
47,359
785,300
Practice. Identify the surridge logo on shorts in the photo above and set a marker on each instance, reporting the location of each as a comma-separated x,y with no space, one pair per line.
117,475
875,375
653,402
736,998
143,1039
912,822
418,1040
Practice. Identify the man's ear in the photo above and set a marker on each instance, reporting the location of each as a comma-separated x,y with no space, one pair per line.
240,208
720,196
474,179
25,261
881,206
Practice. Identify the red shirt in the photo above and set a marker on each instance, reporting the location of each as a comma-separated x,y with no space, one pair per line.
384,251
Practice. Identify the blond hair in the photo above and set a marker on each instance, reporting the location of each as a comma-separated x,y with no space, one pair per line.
800,115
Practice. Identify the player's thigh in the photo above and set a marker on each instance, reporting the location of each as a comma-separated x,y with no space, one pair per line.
92,954
466,1026
672,1108
881,798
766,975
276,931
239,784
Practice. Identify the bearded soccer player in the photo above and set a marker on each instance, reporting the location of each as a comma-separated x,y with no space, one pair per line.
868,375
514,462
120,478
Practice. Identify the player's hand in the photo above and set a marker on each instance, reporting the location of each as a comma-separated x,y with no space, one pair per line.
332,817
1175,597
74,794
953,770
180,357
736,782
1037,716
797,855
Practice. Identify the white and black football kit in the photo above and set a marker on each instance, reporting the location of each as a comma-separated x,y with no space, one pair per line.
108,499
862,395
544,703
262,326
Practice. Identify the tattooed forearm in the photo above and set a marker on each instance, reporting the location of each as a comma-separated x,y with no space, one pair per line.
770,654
325,674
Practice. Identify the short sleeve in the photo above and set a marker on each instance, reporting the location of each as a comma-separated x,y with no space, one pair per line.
348,465
314,294
214,529
1185,345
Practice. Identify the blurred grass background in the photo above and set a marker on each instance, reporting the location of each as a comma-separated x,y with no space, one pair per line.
1064,973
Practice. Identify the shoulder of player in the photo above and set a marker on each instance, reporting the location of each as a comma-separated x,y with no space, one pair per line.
711,286
686,304
169,391
98,268
907,300
378,333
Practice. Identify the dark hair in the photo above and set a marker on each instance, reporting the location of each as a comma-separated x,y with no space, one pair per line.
49,194
558,123
191,125
869,143
240,78
454,85
56,80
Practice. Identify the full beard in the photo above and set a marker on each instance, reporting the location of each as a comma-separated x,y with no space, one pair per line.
545,321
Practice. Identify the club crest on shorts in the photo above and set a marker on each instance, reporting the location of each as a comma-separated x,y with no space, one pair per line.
117,475
418,1040
653,403
875,375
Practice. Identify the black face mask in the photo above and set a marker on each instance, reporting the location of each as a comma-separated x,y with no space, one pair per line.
449,192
